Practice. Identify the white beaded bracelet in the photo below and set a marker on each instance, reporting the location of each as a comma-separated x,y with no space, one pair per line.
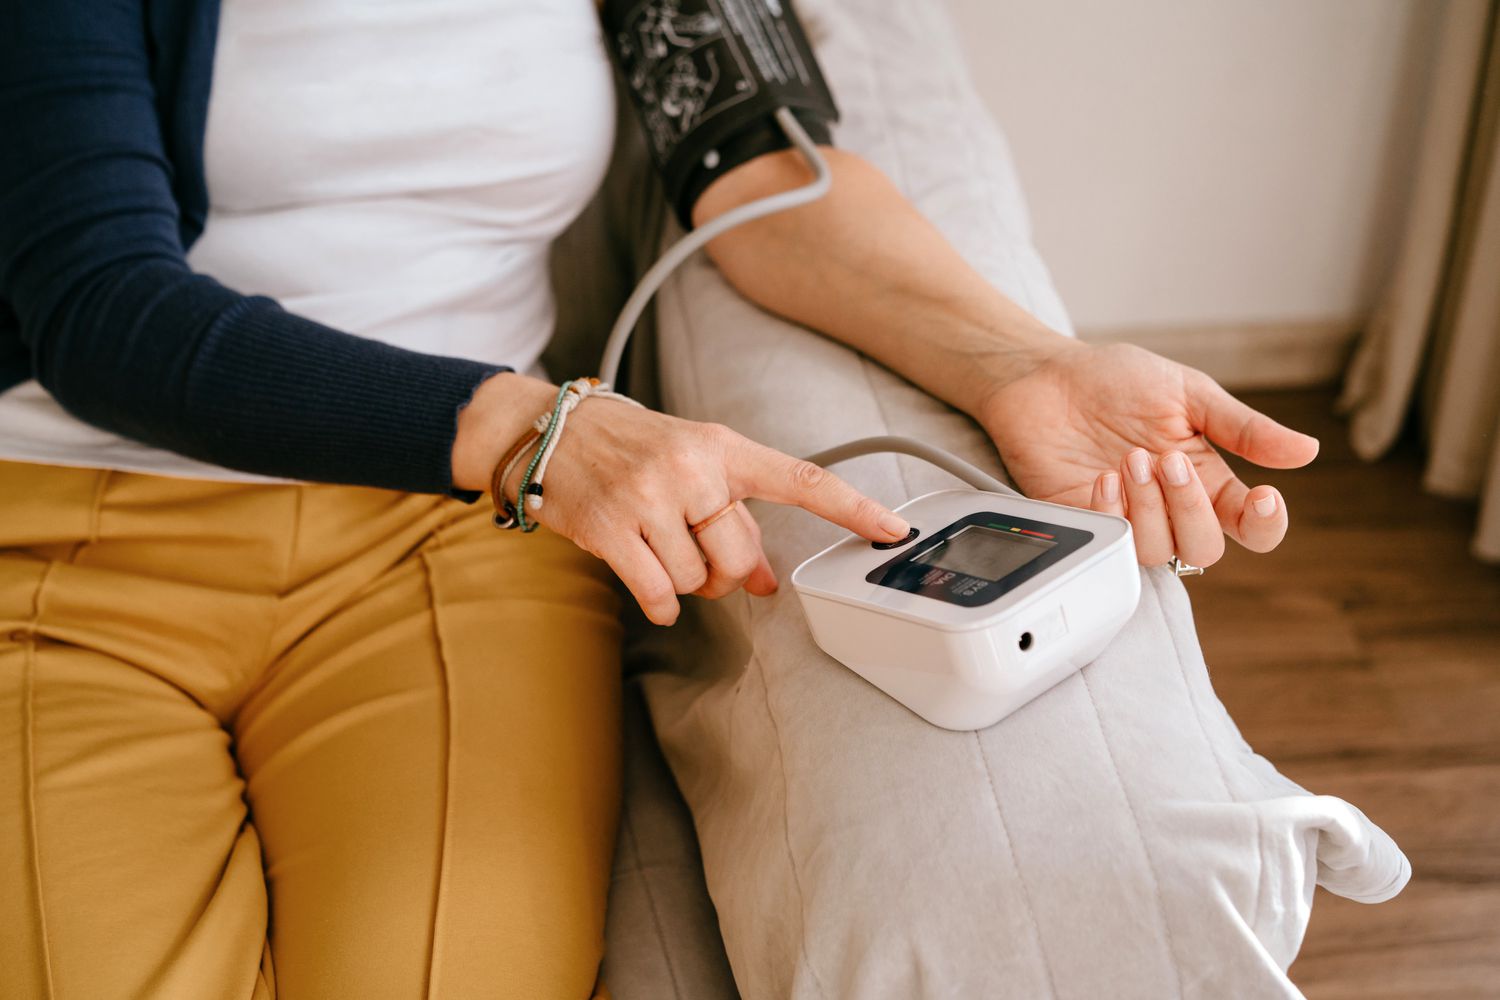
550,426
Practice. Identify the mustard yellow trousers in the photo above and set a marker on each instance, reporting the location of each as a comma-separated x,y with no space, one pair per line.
297,741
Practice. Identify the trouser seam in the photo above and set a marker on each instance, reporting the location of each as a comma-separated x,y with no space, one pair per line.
96,514
444,845
294,541
28,750
266,974
258,671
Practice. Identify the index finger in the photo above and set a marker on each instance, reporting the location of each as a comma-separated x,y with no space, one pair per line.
758,471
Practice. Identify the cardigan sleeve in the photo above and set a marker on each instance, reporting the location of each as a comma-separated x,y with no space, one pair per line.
122,332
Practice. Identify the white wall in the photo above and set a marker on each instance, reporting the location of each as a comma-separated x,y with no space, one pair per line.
1232,164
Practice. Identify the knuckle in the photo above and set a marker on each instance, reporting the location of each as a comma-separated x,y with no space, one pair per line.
739,565
1149,499
656,593
716,588
867,510
706,486
1248,430
1190,502
719,435
807,477
694,579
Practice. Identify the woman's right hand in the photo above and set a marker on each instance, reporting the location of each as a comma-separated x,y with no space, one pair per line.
627,484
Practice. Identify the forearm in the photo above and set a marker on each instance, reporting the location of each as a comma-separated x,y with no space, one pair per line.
864,267
175,360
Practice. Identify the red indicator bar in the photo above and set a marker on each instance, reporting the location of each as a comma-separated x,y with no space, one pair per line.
1022,531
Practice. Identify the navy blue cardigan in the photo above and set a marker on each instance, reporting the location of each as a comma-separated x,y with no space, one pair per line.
103,105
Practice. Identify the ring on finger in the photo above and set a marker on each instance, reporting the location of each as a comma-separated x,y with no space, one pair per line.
1181,568
723,511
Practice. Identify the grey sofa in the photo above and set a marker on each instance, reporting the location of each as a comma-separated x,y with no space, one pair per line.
1114,838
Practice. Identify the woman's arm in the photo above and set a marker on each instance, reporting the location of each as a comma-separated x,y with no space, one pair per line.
127,337
863,266
1114,428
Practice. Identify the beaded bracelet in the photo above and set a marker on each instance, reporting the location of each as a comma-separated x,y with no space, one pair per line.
505,511
545,434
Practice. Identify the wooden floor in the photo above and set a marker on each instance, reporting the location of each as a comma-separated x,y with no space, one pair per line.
1363,658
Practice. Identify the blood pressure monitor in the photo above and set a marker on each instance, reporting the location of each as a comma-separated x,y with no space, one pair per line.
990,601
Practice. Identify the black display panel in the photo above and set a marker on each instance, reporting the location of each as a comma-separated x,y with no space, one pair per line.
978,558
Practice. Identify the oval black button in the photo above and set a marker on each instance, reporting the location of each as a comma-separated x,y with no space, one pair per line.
913,533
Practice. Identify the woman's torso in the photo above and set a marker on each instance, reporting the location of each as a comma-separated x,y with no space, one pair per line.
394,170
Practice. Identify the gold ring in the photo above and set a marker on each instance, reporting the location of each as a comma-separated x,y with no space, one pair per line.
710,519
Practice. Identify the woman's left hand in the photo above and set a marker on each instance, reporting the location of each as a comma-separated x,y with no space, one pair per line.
1122,430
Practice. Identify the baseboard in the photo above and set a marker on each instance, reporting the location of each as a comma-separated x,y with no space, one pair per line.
1249,355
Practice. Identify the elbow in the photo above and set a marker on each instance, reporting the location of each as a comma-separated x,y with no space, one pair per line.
108,341
772,173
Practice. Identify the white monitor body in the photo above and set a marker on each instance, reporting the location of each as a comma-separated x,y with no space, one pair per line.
965,630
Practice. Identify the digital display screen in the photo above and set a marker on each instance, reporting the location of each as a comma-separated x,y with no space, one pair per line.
985,552
978,558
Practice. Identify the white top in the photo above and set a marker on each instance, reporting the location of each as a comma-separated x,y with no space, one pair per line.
394,170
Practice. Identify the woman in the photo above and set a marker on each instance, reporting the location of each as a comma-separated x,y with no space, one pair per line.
279,715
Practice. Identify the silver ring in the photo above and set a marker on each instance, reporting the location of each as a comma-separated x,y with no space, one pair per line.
1181,568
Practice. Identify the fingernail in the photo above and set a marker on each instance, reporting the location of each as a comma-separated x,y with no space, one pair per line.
1266,505
1176,468
894,526
1110,487
1140,467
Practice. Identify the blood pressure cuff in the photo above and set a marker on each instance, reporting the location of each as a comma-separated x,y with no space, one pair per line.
706,76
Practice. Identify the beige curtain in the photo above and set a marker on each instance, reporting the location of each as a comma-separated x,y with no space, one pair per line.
1434,339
